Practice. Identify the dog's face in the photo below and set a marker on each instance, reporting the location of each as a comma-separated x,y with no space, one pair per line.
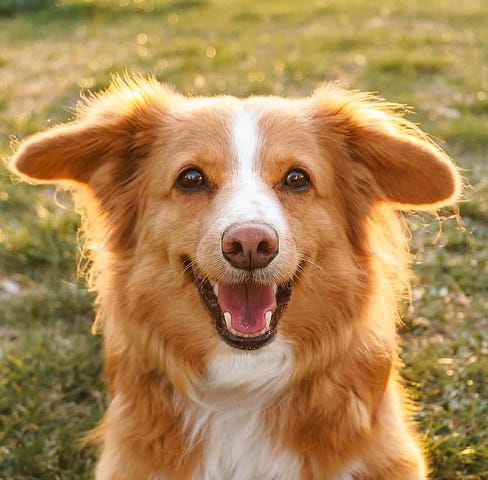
230,220
241,209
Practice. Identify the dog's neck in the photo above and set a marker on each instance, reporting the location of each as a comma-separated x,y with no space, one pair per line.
229,413
238,378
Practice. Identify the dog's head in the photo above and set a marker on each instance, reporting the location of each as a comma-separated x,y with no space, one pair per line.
218,212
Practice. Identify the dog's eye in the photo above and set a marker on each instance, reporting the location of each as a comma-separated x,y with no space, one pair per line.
191,180
297,180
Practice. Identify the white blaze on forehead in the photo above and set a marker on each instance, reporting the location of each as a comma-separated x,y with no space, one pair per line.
245,134
251,200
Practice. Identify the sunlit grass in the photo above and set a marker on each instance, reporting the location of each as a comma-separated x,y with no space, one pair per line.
431,55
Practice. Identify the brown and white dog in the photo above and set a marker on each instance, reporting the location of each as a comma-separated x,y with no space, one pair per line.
248,258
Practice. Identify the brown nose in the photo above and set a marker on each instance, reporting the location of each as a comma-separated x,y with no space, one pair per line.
250,245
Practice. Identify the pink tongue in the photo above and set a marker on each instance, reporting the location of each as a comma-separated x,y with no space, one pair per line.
248,305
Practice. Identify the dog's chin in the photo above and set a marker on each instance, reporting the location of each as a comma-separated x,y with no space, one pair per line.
246,314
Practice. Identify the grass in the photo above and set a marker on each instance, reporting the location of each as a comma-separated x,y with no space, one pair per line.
431,55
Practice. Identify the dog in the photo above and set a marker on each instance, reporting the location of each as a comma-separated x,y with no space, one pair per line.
249,256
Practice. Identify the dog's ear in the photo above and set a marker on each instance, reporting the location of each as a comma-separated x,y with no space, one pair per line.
113,132
411,172
72,152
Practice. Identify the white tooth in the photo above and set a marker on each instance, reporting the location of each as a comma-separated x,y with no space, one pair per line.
216,289
228,319
275,288
267,317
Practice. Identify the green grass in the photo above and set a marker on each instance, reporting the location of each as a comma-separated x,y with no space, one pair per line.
431,55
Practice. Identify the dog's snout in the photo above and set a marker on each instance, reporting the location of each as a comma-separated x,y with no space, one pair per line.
249,246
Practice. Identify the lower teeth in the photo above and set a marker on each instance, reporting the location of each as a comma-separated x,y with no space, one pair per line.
267,317
228,320
228,324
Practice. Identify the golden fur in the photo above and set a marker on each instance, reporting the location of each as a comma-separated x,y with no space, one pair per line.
342,404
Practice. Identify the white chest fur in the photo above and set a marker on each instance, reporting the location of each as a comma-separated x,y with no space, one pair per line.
229,416
239,448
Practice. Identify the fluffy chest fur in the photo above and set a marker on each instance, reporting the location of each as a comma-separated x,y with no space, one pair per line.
238,446
230,416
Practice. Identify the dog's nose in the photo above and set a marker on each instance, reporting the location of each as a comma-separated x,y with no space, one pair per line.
250,245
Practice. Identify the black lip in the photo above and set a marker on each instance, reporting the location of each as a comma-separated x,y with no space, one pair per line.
283,294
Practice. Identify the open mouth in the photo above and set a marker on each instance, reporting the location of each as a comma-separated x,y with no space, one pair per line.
246,314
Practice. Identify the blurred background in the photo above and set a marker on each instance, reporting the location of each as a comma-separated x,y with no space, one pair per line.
430,55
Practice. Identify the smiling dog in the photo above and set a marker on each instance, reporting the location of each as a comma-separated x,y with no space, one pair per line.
248,256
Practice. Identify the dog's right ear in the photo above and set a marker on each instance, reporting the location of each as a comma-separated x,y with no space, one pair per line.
72,152
115,130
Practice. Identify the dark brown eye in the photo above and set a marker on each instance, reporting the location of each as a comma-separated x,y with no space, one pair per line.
191,180
297,180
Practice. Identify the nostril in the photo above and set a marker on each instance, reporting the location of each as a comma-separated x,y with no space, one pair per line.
236,248
264,248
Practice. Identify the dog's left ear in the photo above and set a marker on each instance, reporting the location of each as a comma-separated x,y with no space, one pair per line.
410,170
